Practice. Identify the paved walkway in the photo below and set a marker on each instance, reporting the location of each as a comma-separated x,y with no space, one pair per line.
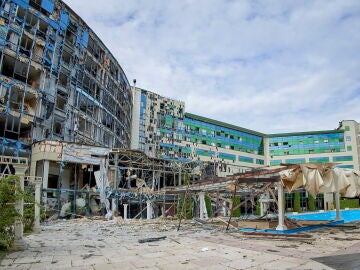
86,244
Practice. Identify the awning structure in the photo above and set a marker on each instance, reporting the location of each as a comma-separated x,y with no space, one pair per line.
322,178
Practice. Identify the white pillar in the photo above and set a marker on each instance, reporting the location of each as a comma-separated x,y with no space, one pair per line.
262,212
149,210
114,208
19,243
337,203
281,215
37,227
224,209
203,210
125,211
45,181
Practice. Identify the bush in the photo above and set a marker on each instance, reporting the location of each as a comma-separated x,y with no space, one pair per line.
236,202
10,193
297,207
29,208
311,203
189,204
349,203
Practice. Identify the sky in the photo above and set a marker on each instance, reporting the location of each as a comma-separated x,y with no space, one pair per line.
271,66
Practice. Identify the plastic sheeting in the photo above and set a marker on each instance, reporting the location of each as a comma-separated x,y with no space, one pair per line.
102,183
83,154
322,178
353,177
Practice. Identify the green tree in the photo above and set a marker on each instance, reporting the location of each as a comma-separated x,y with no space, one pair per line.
208,205
297,207
10,193
258,207
236,200
311,203
189,204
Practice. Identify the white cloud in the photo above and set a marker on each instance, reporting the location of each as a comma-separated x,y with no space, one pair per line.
271,66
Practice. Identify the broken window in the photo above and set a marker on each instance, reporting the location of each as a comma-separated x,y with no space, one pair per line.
35,4
20,14
61,99
38,52
58,126
71,33
4,92
25,133
20,71
13,40
16,98
26,45
12,127
30,104
82,103
30,22
66,57
34,77
8,65
42,29
63,80
53,181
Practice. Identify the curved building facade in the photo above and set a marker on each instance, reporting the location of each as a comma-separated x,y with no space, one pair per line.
58,81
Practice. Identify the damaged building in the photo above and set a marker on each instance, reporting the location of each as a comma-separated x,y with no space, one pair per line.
58,81
102,146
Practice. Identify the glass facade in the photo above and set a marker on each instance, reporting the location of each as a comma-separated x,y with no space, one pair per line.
201,132
343,158
306,144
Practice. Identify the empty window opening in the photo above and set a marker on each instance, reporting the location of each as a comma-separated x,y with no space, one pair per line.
25,133
12,127
66,57
38,52
6,9
13,40
58,127
30,102
42,29
63,80
8,66
26,45
34,77
71,33
30,22
20,71
16,98
53,181
61,100
4,94
20,13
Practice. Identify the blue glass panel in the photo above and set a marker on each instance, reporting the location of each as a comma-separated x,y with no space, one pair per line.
48,5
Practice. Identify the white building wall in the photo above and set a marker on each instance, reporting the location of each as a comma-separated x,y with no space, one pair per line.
352,141
135,118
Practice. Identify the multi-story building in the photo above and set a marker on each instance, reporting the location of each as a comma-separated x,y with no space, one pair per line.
150,113
58,81
232,149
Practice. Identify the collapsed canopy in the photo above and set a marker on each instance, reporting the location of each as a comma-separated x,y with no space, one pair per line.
322,178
